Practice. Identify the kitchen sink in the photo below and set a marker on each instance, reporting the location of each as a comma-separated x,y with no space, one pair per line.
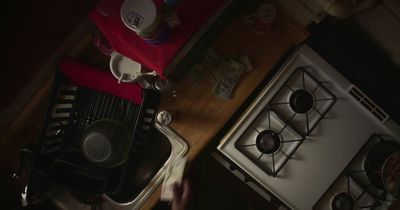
177,147
142,178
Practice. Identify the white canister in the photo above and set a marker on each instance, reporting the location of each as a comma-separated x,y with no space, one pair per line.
141,16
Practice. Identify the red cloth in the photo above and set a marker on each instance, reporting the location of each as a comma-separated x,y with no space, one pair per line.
88,76
192,13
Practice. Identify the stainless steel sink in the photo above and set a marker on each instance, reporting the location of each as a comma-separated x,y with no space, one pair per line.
179,148
147,174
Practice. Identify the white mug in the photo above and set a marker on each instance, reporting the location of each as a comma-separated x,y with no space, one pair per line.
126,70
123,68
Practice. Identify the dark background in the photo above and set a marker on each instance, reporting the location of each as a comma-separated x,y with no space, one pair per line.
361,60
31,33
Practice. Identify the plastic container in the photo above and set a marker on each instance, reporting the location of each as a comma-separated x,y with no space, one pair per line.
143,17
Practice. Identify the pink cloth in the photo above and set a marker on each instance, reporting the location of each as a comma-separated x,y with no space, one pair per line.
88,76
192,13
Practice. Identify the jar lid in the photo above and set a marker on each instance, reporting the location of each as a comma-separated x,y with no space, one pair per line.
164,117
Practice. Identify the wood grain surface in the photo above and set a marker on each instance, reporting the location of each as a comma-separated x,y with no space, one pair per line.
200,115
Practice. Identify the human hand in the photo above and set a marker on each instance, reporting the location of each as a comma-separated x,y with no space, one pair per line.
182,196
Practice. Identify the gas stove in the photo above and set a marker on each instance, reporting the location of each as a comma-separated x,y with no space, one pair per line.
295,110
298,136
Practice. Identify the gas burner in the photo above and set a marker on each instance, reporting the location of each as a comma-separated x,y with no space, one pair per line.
343,201
302,101
356,169
268,142
355,183
346,194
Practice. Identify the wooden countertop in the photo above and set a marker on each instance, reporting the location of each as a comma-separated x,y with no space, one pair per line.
200,115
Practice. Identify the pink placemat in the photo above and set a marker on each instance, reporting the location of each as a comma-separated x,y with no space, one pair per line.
192,13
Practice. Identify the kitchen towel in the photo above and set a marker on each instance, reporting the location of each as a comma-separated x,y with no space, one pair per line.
88,76
192,14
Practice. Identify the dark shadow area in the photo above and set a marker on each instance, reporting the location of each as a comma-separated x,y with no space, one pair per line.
361,60
215,188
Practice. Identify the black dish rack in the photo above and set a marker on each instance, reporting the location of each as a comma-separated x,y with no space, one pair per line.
57,158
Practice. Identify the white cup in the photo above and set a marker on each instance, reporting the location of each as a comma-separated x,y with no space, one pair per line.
142,17
264,17
123,68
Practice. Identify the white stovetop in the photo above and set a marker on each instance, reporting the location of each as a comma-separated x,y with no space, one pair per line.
331,146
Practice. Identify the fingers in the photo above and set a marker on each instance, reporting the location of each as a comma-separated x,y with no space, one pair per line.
186,189
182,196
177,192
182,192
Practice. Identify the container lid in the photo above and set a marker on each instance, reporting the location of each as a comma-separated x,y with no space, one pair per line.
138,15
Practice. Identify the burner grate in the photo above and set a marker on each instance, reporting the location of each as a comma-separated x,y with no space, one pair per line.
293,112
356,169
344,194
302,101
269,143
355,181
